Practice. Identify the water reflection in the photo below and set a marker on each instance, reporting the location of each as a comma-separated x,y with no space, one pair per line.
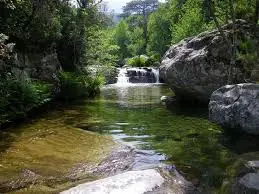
180,135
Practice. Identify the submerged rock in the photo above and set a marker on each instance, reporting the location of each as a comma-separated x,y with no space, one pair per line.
167,100
236,107
135,182
197,66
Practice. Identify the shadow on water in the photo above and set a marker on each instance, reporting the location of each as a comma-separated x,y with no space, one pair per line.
188,110
239,142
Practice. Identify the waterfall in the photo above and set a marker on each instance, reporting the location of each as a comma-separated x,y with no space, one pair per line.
122,76
156,73
138,75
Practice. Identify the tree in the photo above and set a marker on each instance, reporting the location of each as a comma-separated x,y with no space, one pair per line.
121,38
159,33
188,21
142,8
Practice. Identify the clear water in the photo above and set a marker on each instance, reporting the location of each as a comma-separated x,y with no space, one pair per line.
133,115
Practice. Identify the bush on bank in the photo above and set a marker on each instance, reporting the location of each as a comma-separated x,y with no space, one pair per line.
20,95
77,84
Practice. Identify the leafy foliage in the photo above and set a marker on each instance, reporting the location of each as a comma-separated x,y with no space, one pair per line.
18,96
247,55
121,38
190,22
77,84
143,61
159,31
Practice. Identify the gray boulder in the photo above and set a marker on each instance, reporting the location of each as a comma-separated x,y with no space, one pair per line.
249,184
236,107
197,66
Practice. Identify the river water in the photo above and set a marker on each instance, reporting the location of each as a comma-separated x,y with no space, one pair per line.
181,136
134,115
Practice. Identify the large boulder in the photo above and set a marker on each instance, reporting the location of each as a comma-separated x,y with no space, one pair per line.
236,107
197,66
249,183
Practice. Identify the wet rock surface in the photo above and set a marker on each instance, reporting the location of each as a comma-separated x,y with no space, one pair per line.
142,75
236,107
197,66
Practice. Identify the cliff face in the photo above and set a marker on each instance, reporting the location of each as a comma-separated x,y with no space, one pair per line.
40,66
27,80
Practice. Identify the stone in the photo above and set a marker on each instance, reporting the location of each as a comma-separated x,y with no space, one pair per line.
236,107
149,181
45,67
167,99
249,184
253,164
197,66
137,182
142,75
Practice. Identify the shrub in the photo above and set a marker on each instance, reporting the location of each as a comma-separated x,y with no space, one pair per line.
20,95
77,84
247,55
143,61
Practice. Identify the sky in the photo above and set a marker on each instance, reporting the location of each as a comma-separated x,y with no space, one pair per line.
116,5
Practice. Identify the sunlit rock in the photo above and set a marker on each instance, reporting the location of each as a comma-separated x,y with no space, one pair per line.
136,182
197,66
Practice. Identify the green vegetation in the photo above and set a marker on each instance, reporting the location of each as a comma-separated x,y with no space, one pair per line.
20,95
77,35
142,61
75,85
88,46
152,31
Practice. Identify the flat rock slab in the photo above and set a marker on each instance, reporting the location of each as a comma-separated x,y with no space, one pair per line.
137,182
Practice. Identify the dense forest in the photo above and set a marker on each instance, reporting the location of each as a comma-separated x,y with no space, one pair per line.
88,46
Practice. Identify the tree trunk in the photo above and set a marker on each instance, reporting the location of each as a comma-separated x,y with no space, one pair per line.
145,36
232,44
256,16
234,41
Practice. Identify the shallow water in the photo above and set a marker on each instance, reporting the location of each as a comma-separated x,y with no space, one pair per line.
134,115
179,136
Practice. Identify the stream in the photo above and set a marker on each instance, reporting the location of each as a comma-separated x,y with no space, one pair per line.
133,115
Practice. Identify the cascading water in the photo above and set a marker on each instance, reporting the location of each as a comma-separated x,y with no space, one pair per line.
156,72
138,75
122,76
